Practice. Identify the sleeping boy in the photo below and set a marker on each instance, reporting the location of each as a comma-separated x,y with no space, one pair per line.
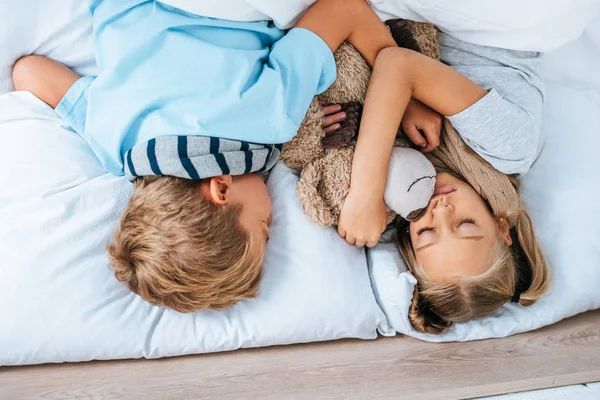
193,110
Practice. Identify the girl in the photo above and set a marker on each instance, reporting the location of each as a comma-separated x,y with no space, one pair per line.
473,249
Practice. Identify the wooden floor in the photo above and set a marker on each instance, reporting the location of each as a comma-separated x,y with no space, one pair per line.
392,368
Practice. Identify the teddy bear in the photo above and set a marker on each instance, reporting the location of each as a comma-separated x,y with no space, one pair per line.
325,161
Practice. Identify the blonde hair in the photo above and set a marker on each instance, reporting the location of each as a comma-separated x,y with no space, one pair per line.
176,248
435,306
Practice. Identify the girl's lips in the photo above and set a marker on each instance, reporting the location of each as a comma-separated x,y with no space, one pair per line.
443,191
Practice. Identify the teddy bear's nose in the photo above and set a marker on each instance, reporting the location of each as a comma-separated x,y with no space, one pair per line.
415,215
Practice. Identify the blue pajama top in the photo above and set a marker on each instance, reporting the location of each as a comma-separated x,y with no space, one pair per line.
165,72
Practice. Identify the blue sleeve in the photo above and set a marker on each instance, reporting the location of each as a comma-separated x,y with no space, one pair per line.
73,106
306,67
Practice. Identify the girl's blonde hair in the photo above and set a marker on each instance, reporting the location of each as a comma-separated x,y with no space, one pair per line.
519,268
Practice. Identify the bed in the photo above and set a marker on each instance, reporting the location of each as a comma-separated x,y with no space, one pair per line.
61,303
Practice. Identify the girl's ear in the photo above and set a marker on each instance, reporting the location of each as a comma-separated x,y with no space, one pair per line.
504,228
217,189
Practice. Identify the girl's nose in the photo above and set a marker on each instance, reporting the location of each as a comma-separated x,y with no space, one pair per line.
442,204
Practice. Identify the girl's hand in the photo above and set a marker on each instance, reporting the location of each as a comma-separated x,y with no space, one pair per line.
362,219
333,116
422,125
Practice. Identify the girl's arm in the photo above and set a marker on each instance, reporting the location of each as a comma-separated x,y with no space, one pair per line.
336,21
398,75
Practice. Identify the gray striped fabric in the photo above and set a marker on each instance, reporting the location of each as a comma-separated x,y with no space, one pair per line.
198,157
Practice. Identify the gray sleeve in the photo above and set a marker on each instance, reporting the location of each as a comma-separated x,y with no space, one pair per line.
504,126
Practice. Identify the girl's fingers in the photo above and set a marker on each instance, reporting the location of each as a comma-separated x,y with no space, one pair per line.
350,239
433,138
332,109
415,136
332,119
371,243
332,128
360,243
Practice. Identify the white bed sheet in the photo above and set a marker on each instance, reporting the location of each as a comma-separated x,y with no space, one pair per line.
560,192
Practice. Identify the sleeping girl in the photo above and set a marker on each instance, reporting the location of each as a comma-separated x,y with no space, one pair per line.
473,249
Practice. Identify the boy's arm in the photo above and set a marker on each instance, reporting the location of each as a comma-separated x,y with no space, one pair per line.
398,75
45,78
336,21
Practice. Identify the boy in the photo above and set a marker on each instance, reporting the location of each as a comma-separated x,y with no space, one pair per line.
193,109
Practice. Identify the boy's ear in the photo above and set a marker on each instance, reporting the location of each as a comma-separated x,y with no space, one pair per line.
505,231
217,189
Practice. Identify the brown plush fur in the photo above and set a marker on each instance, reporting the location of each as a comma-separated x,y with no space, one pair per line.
325,176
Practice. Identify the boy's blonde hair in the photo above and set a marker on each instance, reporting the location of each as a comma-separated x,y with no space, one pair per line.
176,248
435,306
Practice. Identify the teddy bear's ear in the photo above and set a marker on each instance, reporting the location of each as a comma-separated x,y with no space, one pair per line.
306,145
312,203
417,36
402,34
426,35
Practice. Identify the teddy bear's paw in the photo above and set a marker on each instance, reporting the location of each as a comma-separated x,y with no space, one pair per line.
348,127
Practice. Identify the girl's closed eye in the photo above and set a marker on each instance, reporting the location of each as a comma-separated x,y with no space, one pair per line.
467,221
468,226
423,230
462,222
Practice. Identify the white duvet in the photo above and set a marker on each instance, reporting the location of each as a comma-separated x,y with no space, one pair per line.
535,25
60,302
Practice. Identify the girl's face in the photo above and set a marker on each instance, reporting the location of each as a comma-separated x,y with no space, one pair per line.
456,234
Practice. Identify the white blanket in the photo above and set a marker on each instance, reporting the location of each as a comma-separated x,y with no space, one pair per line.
536,25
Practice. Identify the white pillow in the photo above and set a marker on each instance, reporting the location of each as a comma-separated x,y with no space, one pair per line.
59,29
561,194
573,65
61,302
533,25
